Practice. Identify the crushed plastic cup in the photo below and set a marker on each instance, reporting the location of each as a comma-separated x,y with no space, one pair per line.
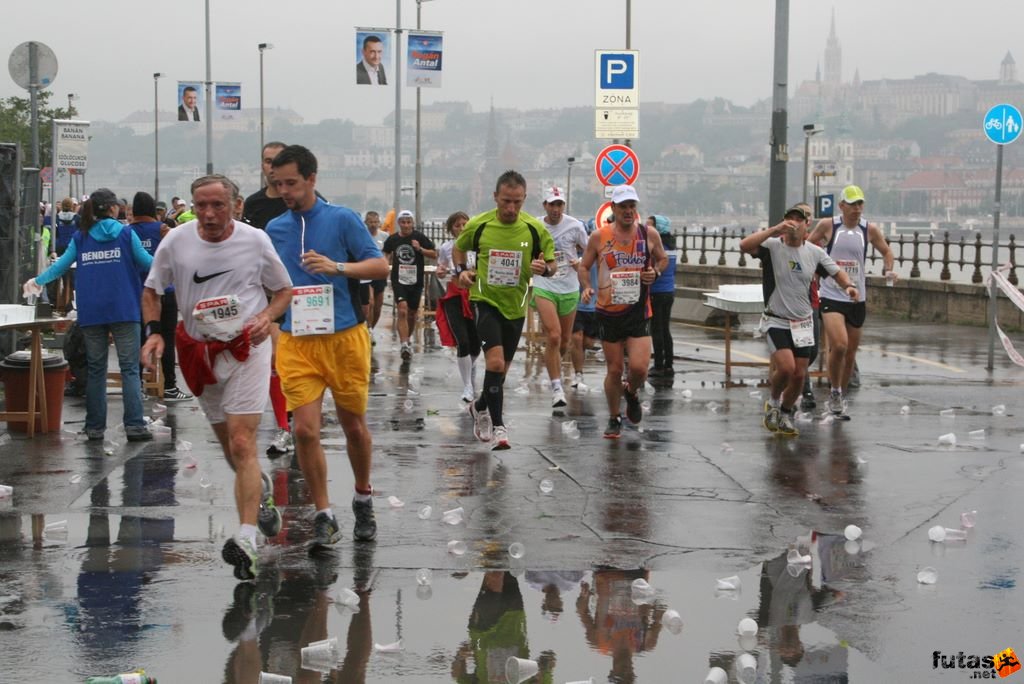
395,502
424,513
671,621
388,648
641,591
75,479
546,486
927,575
575,434
955,534
270,678
852,532
520,669
456,547
947,413
726,448
716,675
204,482
568,426
424,577
968,519
345,597
999,410
976,434
516,550
713,406
453,517
937,533
747,627
320,653
948,439
794,557
56,530
746,668
728,583
183,445
407,405
904,410
159,409
686,394
189,462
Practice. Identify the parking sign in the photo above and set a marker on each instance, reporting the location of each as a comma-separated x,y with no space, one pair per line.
616,79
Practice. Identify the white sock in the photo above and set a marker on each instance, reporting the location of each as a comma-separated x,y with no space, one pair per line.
465,364
362,498
556,385
774,402
327,511
247,532
472,373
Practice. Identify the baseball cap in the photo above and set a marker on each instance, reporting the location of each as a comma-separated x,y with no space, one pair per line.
851,194
405,213
624,193
161,205
798,209
179,202
102,199
553,194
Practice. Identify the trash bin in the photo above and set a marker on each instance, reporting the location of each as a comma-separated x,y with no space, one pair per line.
14,372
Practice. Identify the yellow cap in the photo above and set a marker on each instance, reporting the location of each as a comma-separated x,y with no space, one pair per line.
851,194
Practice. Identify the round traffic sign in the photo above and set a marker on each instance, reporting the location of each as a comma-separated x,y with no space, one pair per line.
603,216
19,64
1002,124
617,165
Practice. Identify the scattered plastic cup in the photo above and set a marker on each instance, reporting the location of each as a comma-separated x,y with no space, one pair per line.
747,627
424,577
395,502
345,597
726,448
453,517
967,519
269,678
671,621
160,431
641,588
686,394
976,434
190,462
204,482
746,668
520,669
728,583
716,675
388,648
75,479
56,529
904,410
938,533
568,426
183,445
424,513
321,652
794,557
928,576
546,486
516,550
456,547
948,439
407,405
947,413
852,532
159,409
999,410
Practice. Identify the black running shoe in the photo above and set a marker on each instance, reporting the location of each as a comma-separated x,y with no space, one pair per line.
614,428
365,528
325,531
634,412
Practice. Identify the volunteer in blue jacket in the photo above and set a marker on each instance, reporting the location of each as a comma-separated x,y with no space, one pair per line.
108,257
663,294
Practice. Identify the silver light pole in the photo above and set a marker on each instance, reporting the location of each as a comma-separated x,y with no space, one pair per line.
568,183
209,97
71,115
398,105
419,162
262,48
156,136
809,131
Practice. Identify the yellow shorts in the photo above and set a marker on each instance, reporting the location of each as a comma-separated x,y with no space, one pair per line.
310,363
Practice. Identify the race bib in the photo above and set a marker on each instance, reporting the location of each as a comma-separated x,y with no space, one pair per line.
625,287
802,332
219,318
562,260
852,268
504,267
407,274
312,310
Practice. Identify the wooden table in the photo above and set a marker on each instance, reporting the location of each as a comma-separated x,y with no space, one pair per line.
37,386
730,306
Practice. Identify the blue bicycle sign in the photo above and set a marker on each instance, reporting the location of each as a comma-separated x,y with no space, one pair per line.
1002,124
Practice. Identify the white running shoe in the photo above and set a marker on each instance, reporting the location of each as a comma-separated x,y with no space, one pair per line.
499,441
558,398
468,395
481,423
282,444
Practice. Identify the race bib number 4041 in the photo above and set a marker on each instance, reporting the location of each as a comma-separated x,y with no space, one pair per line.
504,267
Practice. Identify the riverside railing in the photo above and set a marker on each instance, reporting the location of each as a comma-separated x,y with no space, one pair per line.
960,259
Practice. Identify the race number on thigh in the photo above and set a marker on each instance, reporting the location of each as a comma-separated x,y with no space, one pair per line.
218,318
802,332
504,267
625,287
312,310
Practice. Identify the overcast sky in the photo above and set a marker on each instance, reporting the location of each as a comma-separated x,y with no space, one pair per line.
524,54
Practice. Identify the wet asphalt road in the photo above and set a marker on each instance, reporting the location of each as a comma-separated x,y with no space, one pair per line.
701,491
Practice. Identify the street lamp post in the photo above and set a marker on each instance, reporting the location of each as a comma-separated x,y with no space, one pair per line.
156,136
71,115
262,47
809,131
419,163
568,182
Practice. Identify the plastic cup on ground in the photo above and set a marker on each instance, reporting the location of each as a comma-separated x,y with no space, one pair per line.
947,413
6,491
546,486
395,502
672,621
183,445
520,669
686,394
269,678
928,576
794,557
453,517
948,439
568,426
955,535
75,479
999,410
852,532
976,434
516,550
746,668
716,675
424,513
346,597
388,648
937,533
968,519
728,583
456,547
904,410
56,530
424,592
747,627
424,577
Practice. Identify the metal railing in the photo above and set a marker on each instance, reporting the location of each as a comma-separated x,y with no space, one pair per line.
915,256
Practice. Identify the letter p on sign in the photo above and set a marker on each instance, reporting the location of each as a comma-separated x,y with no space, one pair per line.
617,72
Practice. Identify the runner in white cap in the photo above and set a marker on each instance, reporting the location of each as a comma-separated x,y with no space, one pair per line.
405,251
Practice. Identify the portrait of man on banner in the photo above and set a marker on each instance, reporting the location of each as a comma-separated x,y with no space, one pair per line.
190,100
373,56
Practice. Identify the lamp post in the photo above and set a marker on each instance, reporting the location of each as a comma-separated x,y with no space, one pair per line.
568,182
156,136
262,47
809,131
71,114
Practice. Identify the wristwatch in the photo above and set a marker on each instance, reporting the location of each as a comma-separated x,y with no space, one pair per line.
340,266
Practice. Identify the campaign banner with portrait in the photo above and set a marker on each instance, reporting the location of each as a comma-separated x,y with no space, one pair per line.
228,100
373,56
190,100
423,59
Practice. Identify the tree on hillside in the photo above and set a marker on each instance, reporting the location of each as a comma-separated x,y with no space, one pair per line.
16,124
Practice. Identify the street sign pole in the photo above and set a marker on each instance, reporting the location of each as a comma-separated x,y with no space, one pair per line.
992,291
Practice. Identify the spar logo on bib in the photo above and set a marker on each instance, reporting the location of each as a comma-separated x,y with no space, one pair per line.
211,303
